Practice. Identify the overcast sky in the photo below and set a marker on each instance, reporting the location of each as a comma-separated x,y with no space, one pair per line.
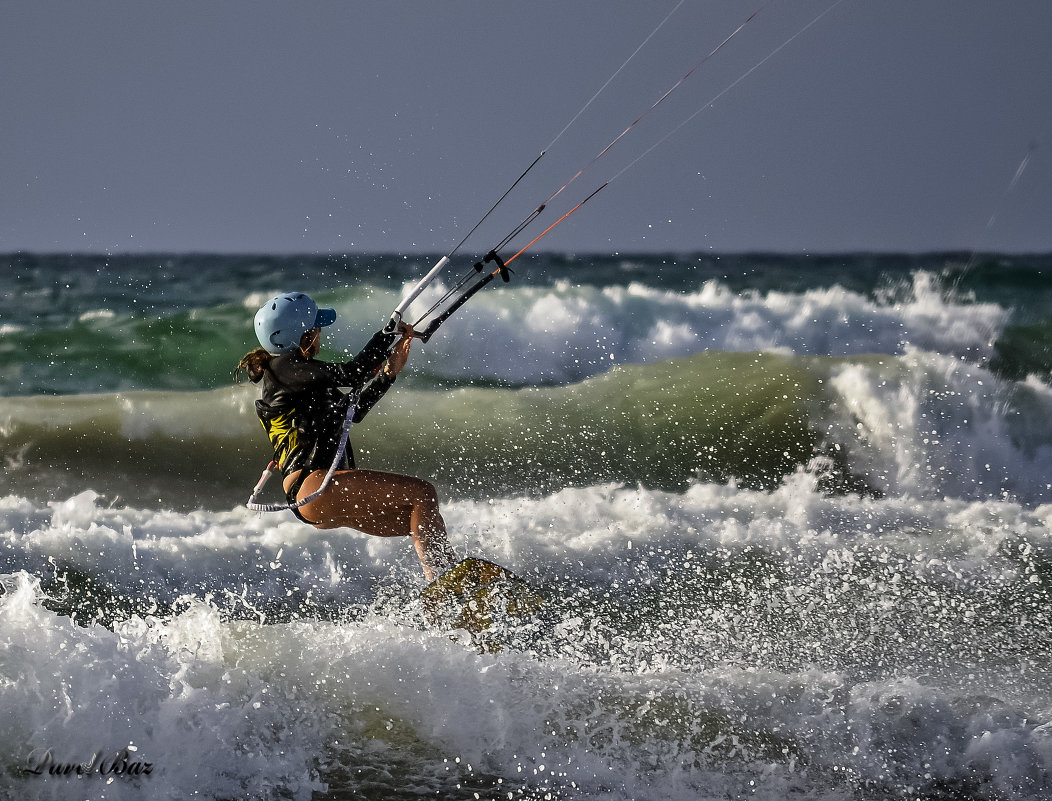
318,127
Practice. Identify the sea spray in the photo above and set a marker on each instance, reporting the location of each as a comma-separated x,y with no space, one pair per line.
714,638
791,516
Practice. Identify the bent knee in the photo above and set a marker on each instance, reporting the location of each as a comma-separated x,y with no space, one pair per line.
431,491
424,492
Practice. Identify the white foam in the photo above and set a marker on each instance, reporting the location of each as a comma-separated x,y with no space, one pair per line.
930,425
589,534
567,332
234,709
163,690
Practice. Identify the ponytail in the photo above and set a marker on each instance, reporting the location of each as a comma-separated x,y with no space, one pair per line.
254,364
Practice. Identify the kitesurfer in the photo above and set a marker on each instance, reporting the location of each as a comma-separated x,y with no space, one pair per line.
303,412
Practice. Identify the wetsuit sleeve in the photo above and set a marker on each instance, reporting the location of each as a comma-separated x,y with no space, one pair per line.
295,374
371,394
361,368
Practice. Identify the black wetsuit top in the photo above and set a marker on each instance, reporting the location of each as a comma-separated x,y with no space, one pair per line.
303,409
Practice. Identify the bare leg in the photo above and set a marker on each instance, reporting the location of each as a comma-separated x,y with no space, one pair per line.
384,505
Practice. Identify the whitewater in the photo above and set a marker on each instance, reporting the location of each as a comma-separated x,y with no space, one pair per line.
791,515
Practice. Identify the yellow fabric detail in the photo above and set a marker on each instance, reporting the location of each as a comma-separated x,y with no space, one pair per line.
283,436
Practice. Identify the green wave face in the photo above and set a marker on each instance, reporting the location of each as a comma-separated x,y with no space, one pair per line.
715,416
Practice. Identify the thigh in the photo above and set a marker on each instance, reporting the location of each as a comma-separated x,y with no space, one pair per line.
368,500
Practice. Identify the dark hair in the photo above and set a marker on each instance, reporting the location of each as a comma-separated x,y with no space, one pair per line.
254,364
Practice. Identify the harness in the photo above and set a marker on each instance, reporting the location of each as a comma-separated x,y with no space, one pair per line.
286,445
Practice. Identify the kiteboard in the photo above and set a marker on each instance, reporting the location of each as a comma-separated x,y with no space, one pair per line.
474,595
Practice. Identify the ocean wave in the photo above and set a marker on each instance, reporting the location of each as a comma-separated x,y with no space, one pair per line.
564,333
790,517
520,335
920,424
767,643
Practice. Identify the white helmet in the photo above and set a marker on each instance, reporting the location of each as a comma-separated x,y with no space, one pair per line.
282,320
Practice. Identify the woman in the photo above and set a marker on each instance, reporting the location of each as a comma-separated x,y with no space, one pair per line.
303,412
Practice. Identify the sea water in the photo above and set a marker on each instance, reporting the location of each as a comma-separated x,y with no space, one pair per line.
791,514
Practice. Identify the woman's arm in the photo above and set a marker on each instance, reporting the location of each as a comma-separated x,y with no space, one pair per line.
361,368
386,377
